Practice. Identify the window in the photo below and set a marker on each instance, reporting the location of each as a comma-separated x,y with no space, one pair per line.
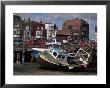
54,53
42,28
28,33
51,27
27,27
76,34
59,56
74,27
84,28
38,28
63,57
16,25
53,40
70,27
16,32
39,34
35,41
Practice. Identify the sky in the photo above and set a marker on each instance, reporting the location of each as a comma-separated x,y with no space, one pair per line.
59,18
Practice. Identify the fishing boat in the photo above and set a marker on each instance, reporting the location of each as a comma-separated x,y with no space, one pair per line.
58,58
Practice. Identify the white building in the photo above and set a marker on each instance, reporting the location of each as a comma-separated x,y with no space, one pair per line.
51,30
51,34
17,32
27,32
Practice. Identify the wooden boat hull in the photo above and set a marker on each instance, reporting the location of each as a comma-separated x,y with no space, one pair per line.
45,64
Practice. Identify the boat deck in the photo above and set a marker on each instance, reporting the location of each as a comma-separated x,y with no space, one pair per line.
48,57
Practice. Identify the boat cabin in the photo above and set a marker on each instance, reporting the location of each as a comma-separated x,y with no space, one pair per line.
60,53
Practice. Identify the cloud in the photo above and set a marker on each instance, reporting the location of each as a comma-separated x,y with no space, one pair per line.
24,15
65,16
61,16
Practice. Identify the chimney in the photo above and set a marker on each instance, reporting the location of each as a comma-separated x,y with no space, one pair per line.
40,22
29,19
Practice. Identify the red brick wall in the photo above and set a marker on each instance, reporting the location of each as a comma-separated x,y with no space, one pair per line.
35,28
60,38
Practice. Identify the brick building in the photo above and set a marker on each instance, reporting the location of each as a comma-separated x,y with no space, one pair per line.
51,30
62,35
79,29
39,33
38,30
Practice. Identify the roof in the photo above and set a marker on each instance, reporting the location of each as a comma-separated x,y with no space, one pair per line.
73,22
63,32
